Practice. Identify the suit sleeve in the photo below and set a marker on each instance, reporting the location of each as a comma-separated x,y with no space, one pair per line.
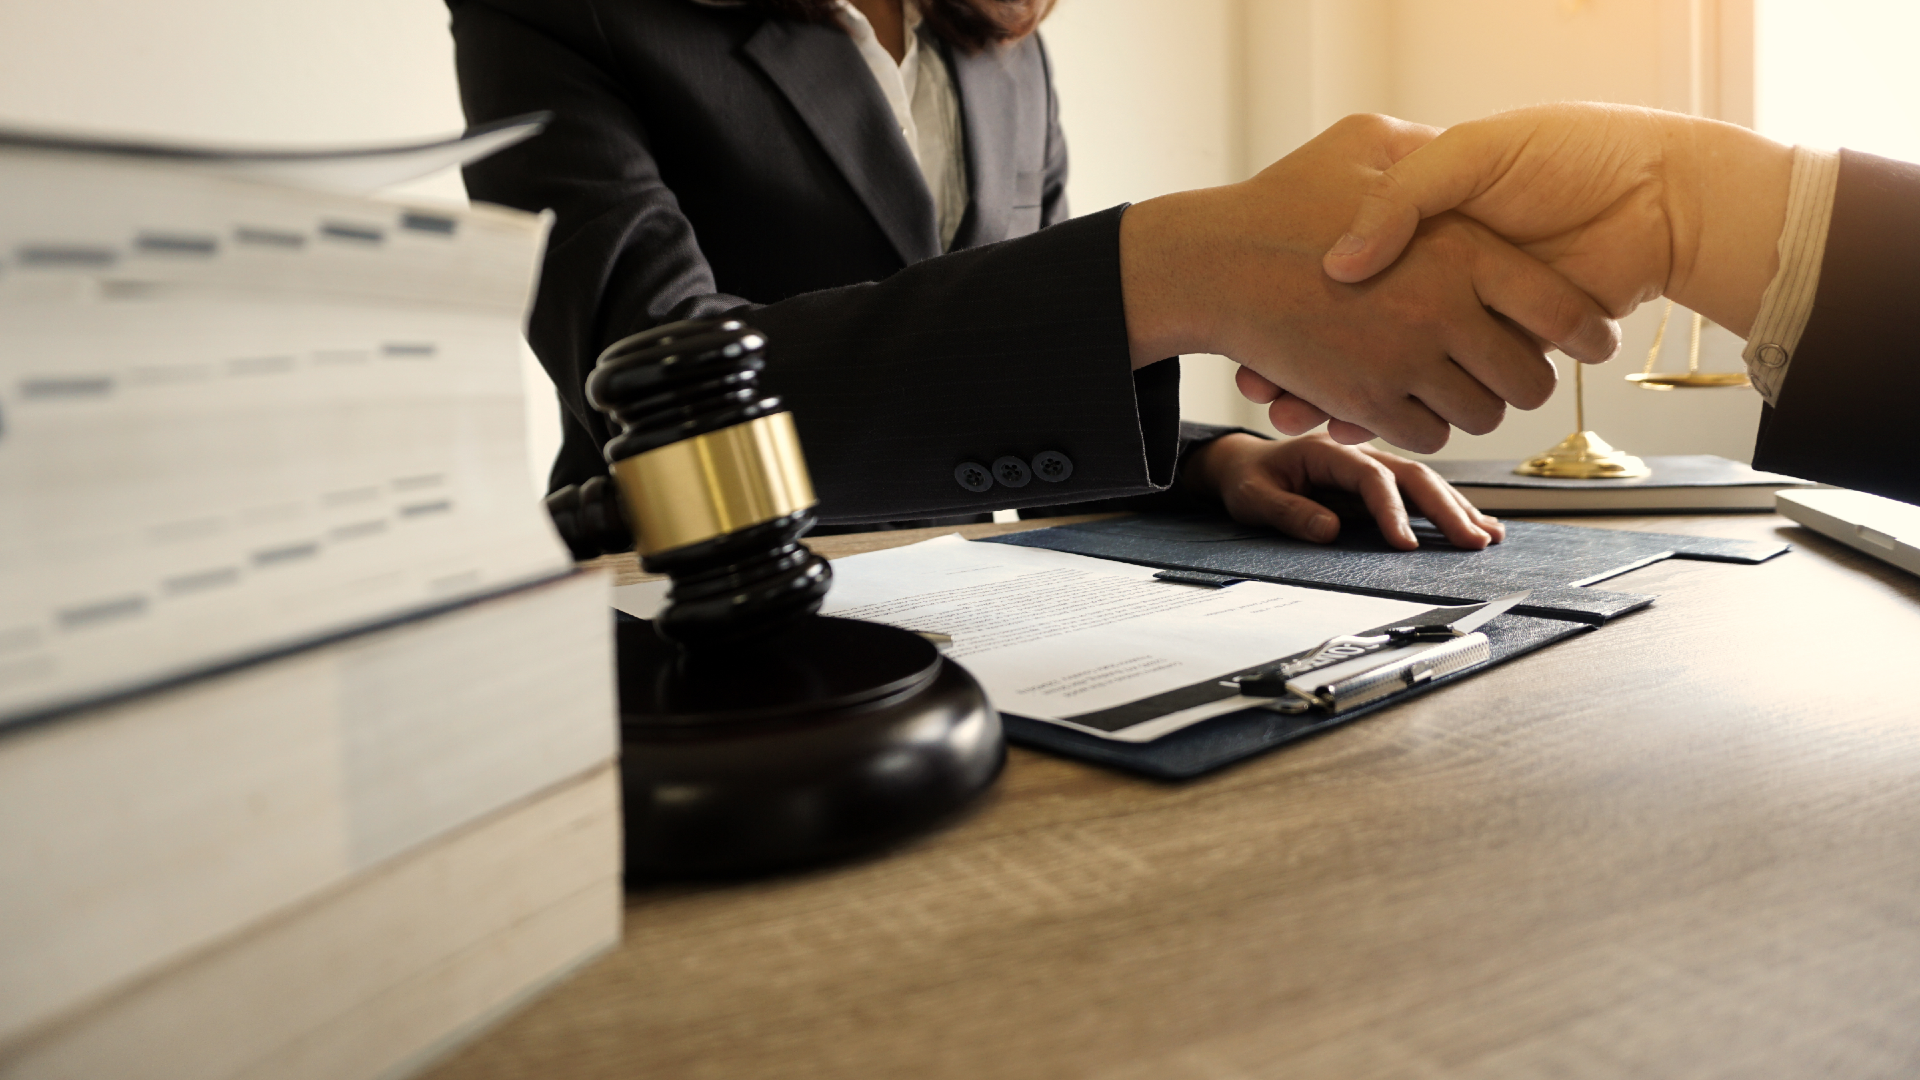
1192,436
1006,350
1846,409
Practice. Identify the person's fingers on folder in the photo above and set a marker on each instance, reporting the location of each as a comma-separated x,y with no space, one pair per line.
1441,503
1393,481
1263,482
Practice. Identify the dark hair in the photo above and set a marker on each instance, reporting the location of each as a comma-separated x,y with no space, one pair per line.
971,25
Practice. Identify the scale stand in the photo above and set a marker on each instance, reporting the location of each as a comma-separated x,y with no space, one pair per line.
1584,455
1692,378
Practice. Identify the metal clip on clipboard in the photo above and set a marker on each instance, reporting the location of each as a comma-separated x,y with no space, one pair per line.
1347,672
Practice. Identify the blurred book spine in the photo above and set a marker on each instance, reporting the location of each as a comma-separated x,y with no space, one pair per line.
306,723
235,416
1678,484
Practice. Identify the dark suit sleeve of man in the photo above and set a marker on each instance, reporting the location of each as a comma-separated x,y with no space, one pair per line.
1004,351
1847,408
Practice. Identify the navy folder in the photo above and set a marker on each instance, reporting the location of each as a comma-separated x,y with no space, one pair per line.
1558,563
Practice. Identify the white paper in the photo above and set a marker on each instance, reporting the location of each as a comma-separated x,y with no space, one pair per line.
358,170
642,600
1052,636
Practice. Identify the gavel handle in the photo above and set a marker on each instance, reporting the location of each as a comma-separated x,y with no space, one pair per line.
589,519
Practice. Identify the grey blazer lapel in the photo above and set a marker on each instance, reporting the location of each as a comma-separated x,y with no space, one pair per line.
988,98
820,71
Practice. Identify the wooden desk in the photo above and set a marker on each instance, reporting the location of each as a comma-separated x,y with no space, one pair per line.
1687,845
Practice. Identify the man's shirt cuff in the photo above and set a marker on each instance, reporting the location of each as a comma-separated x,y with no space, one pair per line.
1788,301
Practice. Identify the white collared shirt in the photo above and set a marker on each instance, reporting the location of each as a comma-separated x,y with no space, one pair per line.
920,92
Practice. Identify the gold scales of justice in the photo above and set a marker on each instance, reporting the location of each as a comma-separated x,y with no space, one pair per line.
1584,455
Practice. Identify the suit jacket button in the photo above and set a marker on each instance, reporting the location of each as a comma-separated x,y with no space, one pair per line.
973,477
1011,472
1052,466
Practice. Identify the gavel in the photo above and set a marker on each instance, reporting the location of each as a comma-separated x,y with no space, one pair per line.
756,733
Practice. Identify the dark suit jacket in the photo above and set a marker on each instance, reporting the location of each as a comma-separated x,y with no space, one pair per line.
1847,409
706,159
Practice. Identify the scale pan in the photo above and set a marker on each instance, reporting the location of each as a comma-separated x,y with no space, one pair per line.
1667,380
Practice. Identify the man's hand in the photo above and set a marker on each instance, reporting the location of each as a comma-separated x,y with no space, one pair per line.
1237,270
1263,482
1628,203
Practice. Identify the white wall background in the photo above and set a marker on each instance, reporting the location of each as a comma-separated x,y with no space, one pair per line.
1840,73
1150,94
243,71
1157,96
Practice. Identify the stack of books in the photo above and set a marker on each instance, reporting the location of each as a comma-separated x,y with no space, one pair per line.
306,720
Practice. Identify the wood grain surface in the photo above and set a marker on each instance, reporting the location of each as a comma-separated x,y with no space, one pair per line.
1686,845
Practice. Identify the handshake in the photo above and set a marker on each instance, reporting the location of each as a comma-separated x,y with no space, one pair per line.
1397,281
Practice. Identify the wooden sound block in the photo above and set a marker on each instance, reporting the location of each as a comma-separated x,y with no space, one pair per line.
825,740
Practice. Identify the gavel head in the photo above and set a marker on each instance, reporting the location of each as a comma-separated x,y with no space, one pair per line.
708,482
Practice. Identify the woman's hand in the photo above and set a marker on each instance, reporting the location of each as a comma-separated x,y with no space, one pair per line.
1448,336
1628,203
1262,482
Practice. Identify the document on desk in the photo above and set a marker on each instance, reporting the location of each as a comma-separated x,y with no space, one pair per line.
1095,645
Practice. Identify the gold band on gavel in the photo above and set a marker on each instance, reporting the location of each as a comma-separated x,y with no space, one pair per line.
714,484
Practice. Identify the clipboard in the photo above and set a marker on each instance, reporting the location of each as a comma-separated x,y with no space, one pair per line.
1212,744
1559,563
